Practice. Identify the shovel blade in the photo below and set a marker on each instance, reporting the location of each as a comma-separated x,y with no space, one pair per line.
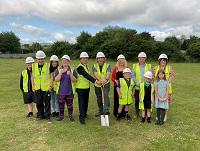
104,120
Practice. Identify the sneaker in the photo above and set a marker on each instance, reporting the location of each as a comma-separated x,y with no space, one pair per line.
157,123
97,114
53,114
57,114
118,117
161,123
148,120
71,119
49,120
30,114
60,118
107,113
128,118
143,120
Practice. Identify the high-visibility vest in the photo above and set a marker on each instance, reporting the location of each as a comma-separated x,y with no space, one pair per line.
57,86
25,80
142,94
41,80
82,82
167,72
126,92
101,74
136,68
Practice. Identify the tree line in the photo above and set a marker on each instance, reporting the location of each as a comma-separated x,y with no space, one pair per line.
113,41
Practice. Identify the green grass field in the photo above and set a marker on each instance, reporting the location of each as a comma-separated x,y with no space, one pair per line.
181,132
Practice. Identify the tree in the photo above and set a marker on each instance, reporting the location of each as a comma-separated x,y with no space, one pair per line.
9,42
194,50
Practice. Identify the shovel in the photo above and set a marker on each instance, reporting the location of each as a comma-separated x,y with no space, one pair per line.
104,118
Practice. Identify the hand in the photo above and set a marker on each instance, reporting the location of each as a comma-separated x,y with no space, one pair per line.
99,82
68,72
61,71
120,95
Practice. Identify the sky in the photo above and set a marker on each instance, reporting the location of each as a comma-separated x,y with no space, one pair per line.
47,21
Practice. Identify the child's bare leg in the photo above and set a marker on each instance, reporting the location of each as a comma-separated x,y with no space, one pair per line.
119,112
30,107
143,116
148,116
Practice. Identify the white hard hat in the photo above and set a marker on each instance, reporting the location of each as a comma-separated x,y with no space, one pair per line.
84,55
40,54
162,56
100,55
29,60
126,70
148,75
120,57
54,58
66,57
142,55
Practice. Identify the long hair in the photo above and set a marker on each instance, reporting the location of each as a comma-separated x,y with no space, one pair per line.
124,61
52,69
160,71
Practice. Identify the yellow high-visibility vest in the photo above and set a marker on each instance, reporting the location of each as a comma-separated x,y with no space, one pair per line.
142,93
101,74
41,80
82,82
25,80
126,92
57,85
136,68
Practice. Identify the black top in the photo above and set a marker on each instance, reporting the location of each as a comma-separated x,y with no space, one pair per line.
82,72
29,81
147,97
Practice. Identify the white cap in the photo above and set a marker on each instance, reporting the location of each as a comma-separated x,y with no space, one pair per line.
162,56
126,70
54,58
100,55
120,57
84,55
148,75
29,60
142,55
40,54
66,57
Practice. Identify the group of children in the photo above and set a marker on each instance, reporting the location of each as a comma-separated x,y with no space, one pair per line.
153,90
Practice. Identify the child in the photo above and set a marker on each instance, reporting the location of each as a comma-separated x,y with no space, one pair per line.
26,86
54,101
146,96
125,90
65,77
161,96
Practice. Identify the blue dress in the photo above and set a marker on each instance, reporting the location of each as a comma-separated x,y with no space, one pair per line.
162,89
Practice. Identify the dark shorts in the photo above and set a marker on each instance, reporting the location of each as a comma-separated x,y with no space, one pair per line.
29,97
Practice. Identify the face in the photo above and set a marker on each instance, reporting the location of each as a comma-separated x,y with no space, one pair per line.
163,62
54,63
141,60
147,80
161,75
127,75
84,60
121,61
101,60
41,61
65,62
29,66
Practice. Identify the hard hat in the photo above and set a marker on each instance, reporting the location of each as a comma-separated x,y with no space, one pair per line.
54,58
142,55
66,57
29,60
120,57
40,54
148,75
100,55
162,56
84,55
126,70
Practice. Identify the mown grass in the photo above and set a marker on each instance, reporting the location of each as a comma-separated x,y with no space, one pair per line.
181,132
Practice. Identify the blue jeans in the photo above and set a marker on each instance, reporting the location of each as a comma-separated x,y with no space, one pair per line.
54,102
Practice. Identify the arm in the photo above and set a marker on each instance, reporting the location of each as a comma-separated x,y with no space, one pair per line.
156,92
119,92
113,76
171,74
32,82
58,74
82,72
72,76
21,83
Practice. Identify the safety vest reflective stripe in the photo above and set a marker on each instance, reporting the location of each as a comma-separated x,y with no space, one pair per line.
101,74
136,68
25,80
41,79
126,91
82,82
141,95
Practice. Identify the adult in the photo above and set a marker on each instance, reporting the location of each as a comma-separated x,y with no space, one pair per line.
42,86
163,64
117,73
83,86
102,72
138,71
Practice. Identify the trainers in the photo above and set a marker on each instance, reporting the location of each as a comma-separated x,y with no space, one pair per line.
49,120
29,114
107,113
143,120
53,114
60,118
71,119
118,117
148,120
